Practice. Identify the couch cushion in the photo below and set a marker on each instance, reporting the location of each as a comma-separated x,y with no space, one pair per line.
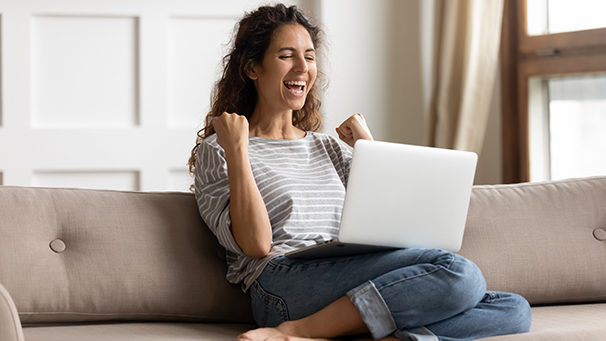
115,255
558,323
537,239
584,322
137,332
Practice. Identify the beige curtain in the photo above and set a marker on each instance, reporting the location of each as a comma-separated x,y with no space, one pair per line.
467,38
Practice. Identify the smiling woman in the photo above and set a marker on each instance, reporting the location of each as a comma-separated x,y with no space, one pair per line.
235,92
268,183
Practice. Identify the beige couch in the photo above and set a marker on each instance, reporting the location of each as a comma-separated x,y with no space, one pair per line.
108,265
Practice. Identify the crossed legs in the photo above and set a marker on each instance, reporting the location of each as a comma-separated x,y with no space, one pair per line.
393,291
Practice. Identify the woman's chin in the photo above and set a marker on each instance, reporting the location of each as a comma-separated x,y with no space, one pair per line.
298,105
295,102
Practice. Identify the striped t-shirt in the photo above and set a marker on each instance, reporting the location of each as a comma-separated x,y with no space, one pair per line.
302,183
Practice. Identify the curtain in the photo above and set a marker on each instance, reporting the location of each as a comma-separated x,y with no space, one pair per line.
467,37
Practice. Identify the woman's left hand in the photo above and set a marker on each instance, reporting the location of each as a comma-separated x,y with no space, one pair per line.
353,129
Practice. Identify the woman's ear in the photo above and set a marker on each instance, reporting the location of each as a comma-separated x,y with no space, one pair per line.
252,71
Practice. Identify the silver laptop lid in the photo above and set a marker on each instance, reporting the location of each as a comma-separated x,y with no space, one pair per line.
407,196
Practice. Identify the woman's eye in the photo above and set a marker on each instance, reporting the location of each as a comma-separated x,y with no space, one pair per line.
310,58
285,57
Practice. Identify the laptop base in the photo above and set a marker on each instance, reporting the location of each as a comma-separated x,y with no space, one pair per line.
336,249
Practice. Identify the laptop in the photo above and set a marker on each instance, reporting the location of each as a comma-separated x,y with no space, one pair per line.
401,196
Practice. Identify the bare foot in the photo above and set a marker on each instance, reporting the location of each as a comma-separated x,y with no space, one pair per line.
260,334
271,334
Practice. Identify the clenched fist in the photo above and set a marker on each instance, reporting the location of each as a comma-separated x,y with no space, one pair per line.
232,131
353,129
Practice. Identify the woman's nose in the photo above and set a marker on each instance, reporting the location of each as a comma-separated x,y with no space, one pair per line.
301,65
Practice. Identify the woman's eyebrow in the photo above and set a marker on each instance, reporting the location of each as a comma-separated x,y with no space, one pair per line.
294,50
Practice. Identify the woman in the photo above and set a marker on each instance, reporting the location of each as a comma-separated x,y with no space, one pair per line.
267,183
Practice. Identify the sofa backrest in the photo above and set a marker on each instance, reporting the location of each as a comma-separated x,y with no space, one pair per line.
545,241
90,255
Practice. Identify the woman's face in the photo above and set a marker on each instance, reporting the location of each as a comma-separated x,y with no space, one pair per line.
288,70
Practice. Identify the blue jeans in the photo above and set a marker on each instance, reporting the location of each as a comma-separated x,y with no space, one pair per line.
413,294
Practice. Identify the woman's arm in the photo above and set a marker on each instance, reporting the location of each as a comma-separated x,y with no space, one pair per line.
353,129
250,224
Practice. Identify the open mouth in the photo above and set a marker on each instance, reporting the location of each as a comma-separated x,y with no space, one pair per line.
296,87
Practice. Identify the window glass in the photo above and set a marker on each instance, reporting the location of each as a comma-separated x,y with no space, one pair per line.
556,16
577,126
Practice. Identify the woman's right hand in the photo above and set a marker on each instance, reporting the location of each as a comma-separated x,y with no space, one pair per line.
232,131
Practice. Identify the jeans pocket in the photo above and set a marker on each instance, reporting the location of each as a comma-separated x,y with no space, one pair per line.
268,310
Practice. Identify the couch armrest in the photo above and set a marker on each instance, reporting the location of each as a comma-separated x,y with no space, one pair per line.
10,325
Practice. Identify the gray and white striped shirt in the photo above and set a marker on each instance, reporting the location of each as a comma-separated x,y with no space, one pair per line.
302,183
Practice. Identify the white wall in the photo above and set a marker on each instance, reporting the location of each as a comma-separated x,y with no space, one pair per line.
380,65
109,94
376,67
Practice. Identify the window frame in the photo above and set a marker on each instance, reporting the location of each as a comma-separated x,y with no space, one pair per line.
523,56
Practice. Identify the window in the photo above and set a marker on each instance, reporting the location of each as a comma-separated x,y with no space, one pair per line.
567,126
553,55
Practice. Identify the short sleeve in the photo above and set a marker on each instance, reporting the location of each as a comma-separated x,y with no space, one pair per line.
212,192
341,156
346,156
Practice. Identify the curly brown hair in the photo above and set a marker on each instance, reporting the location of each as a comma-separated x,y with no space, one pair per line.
235,92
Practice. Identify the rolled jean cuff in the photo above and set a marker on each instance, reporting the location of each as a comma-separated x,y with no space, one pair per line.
373,309
416,334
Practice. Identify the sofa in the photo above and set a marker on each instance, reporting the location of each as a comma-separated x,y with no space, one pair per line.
99,265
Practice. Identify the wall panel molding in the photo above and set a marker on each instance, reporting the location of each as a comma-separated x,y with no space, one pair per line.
84,71
179,180
93,179
107,94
